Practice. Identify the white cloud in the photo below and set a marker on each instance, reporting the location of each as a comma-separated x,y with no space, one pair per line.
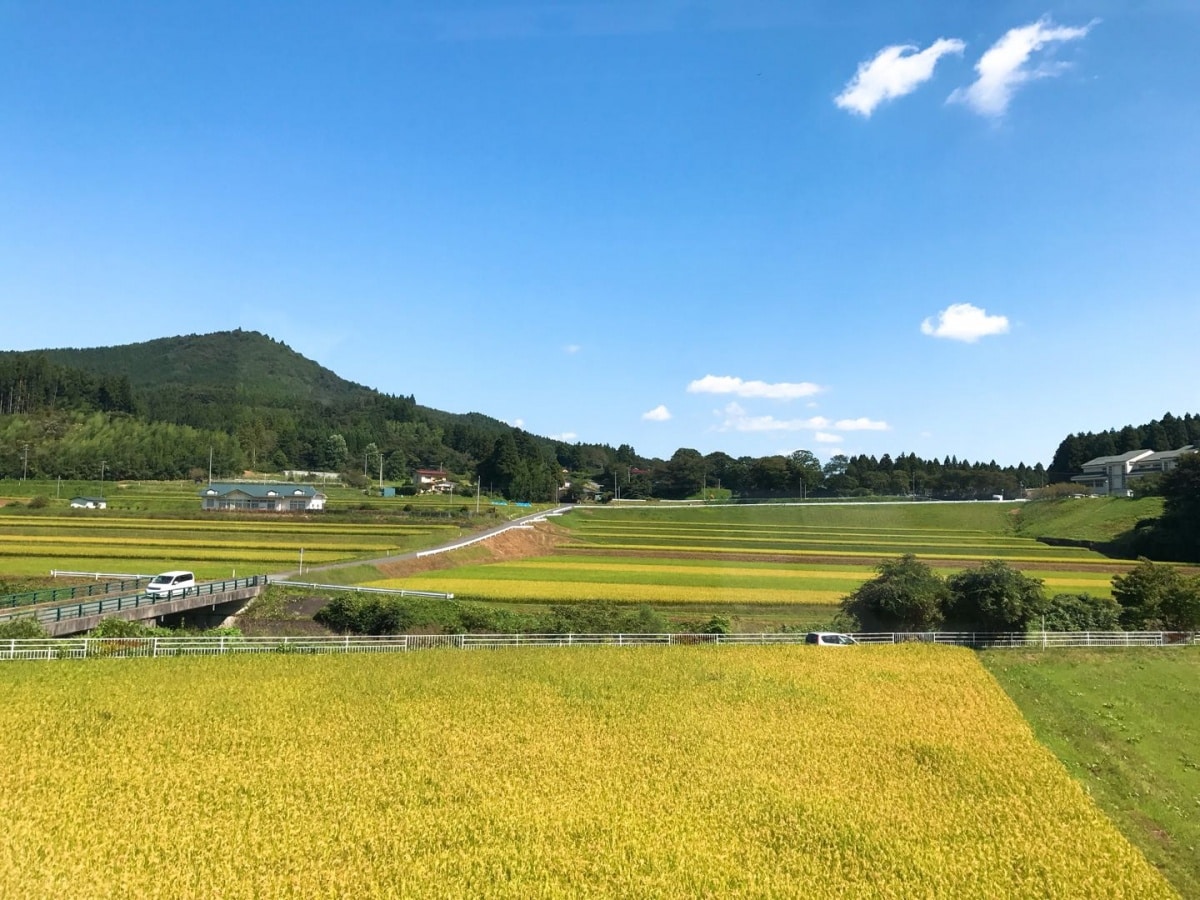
893,72
572,348
964,322
735,418
1004,66
659,414
567,437
728,384
860,424
824,437
517,423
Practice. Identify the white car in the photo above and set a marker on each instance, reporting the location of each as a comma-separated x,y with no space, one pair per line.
829,639
170,583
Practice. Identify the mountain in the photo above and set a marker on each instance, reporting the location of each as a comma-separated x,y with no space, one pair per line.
246,365
282,409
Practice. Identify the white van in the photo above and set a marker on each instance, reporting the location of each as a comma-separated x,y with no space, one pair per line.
179,583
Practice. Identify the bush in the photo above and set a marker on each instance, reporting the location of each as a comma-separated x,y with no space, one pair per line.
1081,612
113,627
1061,489
23,628
39,502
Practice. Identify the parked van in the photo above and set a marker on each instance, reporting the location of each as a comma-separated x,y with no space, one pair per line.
829,639
178,582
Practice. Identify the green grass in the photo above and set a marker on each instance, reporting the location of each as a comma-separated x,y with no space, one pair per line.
1126,723
1086,519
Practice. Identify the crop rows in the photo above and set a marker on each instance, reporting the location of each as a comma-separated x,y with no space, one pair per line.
668,772
728,557
211,547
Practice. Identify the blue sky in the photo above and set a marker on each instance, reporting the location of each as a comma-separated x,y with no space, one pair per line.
753,226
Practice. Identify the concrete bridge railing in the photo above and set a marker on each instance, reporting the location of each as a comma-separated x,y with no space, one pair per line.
72,618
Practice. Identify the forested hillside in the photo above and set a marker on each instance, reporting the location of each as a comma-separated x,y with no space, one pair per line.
163,408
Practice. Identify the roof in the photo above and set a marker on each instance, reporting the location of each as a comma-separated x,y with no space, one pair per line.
1168,454
1121,458
88,499
259,490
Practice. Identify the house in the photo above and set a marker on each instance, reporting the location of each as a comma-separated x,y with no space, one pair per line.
426,480
89,503
1112,475
258,497
1159,463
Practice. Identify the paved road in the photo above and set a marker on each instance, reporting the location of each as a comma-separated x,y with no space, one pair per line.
454,544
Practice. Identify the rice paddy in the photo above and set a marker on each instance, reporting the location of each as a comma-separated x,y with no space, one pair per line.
667,772
772,556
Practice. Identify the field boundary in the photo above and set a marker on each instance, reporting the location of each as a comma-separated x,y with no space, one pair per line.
124,648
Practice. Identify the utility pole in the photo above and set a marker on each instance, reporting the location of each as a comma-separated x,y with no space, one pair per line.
101,479
24,462
477,486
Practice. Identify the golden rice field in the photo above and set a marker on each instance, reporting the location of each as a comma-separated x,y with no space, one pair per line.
566,577
784,771
768,556
212,547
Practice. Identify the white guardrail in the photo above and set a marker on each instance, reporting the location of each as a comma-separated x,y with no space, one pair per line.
84,647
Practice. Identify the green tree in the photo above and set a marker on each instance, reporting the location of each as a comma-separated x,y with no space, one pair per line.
906,595
1180,609
684,473
1141,592
804,473
993,597
1181,508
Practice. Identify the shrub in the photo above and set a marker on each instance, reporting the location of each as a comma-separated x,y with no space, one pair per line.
22,628
1081,612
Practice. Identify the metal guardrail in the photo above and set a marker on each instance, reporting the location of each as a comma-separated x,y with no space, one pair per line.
83,647
54,595
112,604
350,588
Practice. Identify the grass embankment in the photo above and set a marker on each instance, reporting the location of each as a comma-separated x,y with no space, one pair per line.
1126,723
1086,518
664,772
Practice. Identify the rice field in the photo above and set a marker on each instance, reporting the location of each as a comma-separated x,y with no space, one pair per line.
212,547
795,771
809,556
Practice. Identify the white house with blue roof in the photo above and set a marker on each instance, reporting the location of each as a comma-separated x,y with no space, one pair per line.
259,497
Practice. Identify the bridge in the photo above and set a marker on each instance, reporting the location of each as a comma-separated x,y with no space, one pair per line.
85,610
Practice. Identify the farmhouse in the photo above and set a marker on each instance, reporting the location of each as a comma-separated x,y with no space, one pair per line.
262,497
426,480
89,503
1113,475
